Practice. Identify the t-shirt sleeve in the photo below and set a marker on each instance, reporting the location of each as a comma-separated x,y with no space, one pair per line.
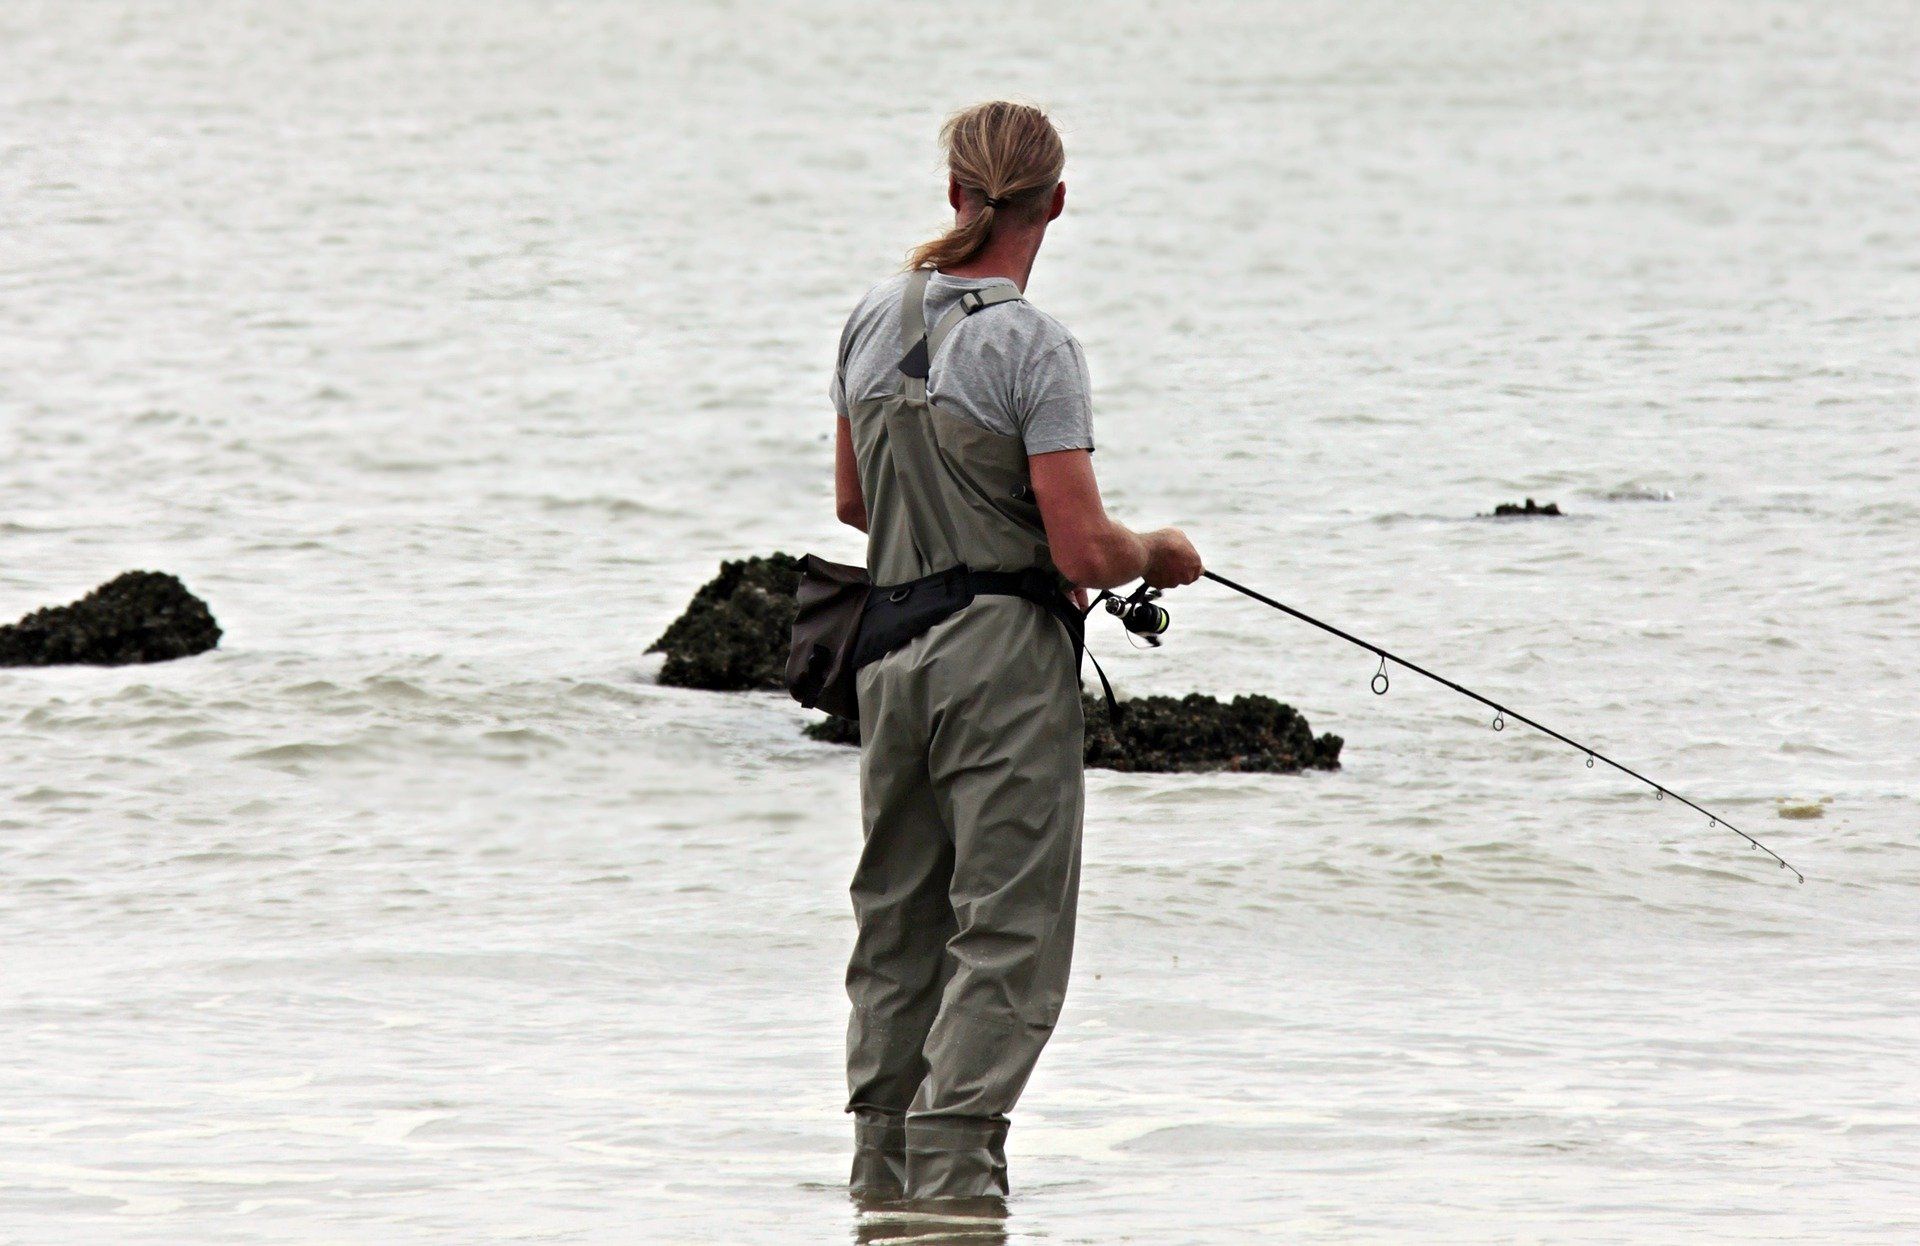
837,391
1054,399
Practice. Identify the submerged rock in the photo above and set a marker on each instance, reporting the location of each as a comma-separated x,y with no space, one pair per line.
140,616
1190,733
1505,509
735,632
1637,493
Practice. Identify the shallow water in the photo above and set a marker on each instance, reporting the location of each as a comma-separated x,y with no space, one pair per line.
445,349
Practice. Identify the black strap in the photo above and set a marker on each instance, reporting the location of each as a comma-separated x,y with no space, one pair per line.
896,614
1115,710
1039,588
1032,583
1044,591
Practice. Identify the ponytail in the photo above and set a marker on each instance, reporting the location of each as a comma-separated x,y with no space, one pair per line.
1008,158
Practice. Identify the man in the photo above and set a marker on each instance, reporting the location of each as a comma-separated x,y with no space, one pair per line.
964,452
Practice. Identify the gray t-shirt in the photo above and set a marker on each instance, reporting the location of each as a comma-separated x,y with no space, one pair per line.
1010,368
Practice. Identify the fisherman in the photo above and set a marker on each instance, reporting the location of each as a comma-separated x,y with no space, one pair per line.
964,452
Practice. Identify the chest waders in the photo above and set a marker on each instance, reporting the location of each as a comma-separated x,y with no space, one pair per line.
970,792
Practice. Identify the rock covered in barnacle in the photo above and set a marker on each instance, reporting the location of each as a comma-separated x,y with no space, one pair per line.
138,616
1190,733
1199,732
1505,509
735,632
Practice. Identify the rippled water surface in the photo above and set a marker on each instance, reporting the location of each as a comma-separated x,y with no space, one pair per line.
446,348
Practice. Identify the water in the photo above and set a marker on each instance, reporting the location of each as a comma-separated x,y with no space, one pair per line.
446,348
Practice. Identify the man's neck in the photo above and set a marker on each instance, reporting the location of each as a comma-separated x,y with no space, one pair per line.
1011,257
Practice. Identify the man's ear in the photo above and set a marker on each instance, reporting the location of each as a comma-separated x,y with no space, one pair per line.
953,192
1059,203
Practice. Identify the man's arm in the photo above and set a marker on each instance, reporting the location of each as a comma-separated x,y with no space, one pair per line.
1092,550
848,503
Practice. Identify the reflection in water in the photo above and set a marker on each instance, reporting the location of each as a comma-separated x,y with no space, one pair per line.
931,1222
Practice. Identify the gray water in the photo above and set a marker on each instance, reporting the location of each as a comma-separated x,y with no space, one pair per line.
446,348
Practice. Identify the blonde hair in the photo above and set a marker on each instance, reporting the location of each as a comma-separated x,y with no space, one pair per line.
1008,154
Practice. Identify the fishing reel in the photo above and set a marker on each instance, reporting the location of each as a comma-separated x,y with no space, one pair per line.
1140,614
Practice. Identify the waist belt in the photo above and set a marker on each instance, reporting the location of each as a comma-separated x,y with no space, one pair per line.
899,614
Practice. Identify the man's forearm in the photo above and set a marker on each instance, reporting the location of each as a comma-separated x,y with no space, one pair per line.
1163,558
1089,548
1117,556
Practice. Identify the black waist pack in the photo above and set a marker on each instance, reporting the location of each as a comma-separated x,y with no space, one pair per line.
833,639
832,596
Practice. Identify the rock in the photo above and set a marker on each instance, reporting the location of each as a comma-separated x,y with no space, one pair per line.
735,632
1190,733
1198,732
140,616
833,729
1531,508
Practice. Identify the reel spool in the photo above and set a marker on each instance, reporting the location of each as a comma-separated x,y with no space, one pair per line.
1140,614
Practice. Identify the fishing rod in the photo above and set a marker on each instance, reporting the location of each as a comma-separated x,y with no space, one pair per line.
1141,615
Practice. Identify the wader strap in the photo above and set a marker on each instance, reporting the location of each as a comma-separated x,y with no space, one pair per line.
921,348
913,308
913,335
970,302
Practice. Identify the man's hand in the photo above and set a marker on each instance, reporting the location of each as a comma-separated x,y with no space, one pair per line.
1171,559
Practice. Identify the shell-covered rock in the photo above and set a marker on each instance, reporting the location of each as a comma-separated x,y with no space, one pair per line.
1199,732
1507,510
734,634
139,616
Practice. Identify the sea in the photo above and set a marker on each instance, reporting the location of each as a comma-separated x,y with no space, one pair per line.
445,349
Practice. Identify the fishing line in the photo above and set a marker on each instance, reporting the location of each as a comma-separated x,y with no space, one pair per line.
1501,713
